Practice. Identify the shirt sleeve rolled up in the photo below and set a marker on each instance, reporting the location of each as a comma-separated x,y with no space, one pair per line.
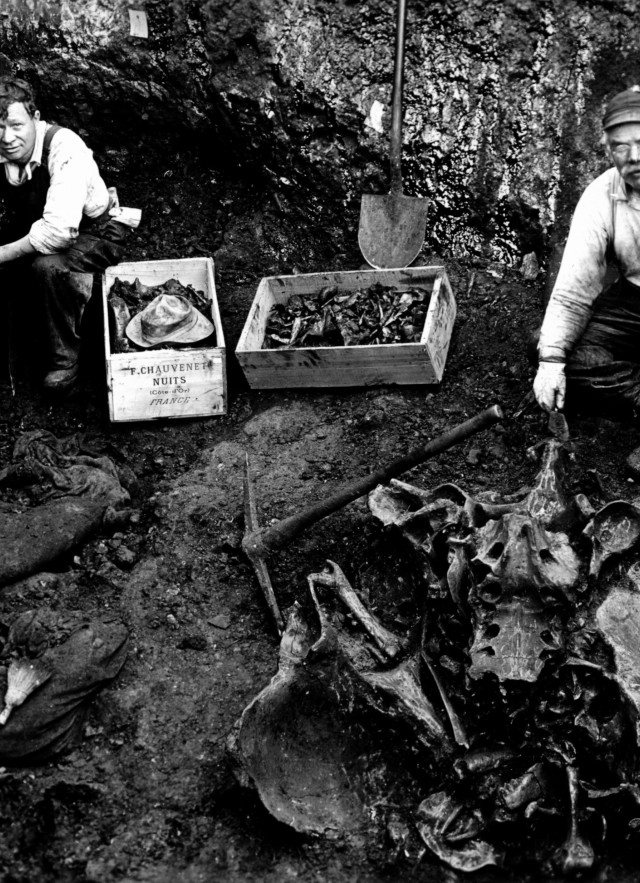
75,188
581,275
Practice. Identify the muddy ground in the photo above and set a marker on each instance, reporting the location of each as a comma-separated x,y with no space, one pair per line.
149,794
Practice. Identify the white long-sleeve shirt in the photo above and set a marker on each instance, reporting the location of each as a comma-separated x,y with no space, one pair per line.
75,188
606,222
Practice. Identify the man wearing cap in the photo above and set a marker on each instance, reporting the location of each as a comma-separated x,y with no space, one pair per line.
590,337
55,225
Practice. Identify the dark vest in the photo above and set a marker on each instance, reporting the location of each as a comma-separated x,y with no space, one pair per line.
24,204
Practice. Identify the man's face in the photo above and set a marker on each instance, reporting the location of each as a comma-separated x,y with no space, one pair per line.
18,133
624,149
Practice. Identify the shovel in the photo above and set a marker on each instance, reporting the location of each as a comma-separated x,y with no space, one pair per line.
392,227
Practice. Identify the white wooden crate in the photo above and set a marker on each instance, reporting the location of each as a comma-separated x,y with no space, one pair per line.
369,365
166,383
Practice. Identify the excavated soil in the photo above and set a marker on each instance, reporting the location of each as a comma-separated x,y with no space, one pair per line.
149,794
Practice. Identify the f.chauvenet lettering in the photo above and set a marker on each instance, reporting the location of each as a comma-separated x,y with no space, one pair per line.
170,368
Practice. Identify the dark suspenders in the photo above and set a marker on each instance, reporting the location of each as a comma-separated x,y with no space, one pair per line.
611,256
46,144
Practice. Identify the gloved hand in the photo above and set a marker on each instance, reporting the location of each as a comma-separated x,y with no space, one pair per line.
550,385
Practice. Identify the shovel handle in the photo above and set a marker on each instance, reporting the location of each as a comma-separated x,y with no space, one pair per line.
262,542
395,152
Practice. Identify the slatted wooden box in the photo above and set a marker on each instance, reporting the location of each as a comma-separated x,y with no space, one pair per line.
166,383
370,365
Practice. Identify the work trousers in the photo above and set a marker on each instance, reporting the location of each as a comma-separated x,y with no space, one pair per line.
61,286
603,370
63,295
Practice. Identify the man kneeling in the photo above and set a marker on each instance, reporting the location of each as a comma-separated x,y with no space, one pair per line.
591,337
56,224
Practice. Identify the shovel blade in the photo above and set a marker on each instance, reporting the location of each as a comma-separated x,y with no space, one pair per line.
392,229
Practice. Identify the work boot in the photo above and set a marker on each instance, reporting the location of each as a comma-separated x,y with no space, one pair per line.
62,380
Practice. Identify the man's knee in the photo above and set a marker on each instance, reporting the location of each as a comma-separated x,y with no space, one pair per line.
46,265
589,357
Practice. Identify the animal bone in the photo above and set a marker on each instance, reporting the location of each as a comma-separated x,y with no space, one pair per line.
634,575
524,573
519,555
333,578
613,530
618,620
402,684
549,502
294,745
482,761
456,844
458,577
459,733
576,854
522,791
510,643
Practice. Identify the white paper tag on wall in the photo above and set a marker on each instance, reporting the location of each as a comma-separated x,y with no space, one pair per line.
138,26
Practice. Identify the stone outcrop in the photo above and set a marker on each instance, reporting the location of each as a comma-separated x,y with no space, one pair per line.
502,101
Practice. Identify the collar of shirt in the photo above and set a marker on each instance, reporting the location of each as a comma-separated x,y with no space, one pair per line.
17,173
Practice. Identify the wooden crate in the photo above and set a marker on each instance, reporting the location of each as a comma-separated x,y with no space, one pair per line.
370,365
166,383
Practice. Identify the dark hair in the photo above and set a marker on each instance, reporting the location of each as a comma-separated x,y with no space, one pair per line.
13,90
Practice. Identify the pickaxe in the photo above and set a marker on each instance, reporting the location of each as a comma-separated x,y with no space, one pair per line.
258,543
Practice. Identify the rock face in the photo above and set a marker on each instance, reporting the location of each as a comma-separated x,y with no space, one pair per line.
502,101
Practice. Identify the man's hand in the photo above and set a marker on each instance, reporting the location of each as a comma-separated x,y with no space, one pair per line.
550,386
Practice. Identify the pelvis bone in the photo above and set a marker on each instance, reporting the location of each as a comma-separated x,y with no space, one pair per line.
518,556
524,575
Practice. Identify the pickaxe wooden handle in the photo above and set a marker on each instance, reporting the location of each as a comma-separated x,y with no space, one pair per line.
257,561
260,543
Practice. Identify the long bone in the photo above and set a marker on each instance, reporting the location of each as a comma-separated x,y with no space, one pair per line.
459,732
576,853
258,543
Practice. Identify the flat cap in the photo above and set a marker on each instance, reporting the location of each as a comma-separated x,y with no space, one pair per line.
623,108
